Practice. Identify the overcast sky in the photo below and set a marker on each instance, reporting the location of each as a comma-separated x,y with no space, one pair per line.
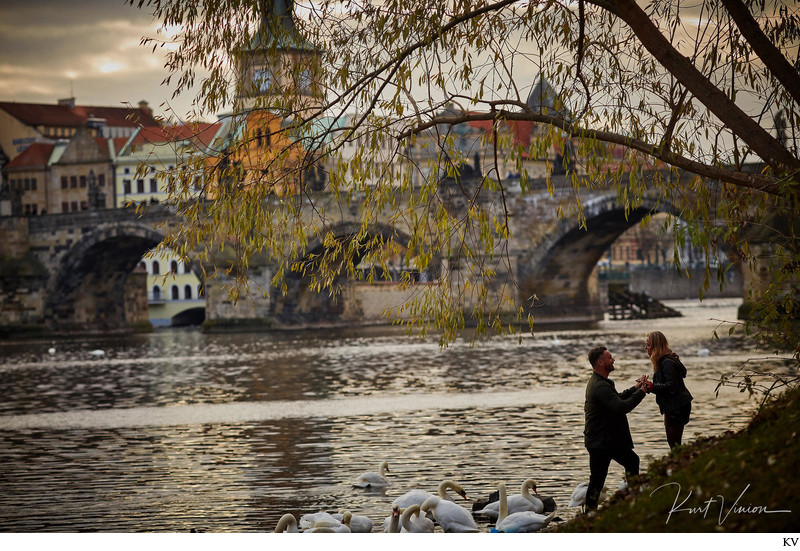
88,49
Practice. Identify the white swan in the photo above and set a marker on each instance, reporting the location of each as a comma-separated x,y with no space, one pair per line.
578,498
418,525
524,501
308,520
287,523
392,523
522,521
371,479
359,524
97,353
450,516
418,497
332,526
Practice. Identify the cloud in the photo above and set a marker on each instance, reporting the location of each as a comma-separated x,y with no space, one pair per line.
90,49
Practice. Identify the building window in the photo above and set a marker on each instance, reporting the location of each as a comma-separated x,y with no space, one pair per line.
83,181
175,293
173,266
304,81
84,205
156,292
33,184
156,268
64,182
140,186
74,206
27,184
126,187
126,170
64,207
263,79
101,180
153,185
73,181
187,292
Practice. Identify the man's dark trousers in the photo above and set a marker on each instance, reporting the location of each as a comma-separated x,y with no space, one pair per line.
599,461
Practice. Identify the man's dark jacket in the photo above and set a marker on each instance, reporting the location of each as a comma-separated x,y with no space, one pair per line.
606,413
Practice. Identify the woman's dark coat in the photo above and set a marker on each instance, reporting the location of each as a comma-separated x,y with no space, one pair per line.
668,386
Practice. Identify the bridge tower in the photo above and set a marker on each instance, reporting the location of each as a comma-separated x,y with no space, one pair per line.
278,59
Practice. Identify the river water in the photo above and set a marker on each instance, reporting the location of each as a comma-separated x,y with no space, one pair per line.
177,431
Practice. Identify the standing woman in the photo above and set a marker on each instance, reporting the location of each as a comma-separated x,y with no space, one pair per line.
673,398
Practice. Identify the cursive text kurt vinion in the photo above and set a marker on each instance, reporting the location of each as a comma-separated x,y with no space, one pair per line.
678,506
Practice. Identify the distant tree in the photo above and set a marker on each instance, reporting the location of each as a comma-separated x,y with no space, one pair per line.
690,93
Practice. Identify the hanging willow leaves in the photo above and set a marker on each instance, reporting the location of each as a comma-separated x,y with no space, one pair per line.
689,105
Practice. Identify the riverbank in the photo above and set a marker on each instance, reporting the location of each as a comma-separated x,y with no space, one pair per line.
744,481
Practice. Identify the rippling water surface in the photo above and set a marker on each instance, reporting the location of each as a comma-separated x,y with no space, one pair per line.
177,430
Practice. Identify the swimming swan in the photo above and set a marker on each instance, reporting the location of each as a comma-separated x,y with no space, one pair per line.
524,501
287,523
418,525
359,524
371,479
308,520
332,526
418,497
450,516
522,521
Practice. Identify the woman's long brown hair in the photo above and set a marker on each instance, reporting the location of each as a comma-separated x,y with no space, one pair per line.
658,347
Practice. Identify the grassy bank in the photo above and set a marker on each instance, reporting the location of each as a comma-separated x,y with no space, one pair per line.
726,483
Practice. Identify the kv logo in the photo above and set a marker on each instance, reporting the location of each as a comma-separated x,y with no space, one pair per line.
790,542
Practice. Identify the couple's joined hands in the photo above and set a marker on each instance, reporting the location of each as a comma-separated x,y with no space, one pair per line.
644,383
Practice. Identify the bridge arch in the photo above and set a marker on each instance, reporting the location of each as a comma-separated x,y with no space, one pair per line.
89,287
302,305
558,271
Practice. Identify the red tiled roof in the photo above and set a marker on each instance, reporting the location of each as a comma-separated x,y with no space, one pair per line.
35,155
197,133
36,114
119,143
117,116
521,130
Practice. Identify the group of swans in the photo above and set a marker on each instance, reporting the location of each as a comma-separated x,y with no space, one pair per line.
416,510
410,521
319,523
524,501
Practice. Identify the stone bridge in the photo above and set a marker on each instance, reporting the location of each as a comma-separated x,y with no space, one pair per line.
67,273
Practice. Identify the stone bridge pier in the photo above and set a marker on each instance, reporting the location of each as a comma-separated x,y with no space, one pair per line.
557,269
76,273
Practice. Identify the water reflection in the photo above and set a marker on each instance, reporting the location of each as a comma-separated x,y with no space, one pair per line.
177,430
